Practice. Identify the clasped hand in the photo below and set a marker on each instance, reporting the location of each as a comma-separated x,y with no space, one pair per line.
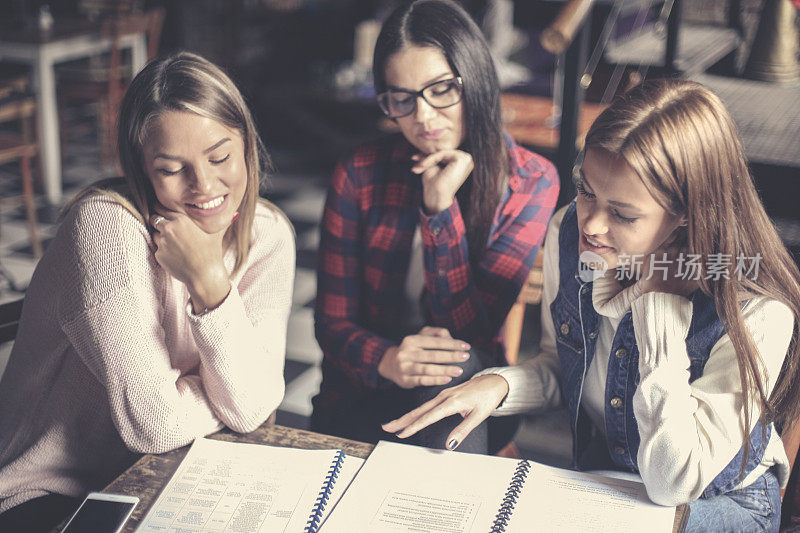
192,256
422,359
443,173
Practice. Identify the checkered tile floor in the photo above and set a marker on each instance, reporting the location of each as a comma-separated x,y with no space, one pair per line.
300,195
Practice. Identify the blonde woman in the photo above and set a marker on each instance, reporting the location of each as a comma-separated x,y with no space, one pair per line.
676,361
159,312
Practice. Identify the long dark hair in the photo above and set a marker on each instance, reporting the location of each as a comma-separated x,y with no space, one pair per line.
445,25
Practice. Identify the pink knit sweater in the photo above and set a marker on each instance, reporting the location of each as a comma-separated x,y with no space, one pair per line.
109,361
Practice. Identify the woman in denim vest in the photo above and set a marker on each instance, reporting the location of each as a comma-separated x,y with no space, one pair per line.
669,318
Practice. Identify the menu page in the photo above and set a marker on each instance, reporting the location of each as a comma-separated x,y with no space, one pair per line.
248,488
409,488
403,488
564,499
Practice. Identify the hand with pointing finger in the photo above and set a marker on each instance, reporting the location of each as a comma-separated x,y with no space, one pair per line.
425,359
474,401
443,173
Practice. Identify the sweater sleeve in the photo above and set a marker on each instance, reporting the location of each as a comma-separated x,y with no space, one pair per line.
535,384
473,303
111,312
690,431
242,342
345,344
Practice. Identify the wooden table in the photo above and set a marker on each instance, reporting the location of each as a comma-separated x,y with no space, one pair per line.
67,40
151,473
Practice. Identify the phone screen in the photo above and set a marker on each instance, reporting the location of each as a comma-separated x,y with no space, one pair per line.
99,516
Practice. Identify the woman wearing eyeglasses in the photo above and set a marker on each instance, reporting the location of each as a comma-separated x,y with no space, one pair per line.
427,237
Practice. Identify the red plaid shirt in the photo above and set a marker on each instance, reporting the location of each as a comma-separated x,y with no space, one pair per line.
371,214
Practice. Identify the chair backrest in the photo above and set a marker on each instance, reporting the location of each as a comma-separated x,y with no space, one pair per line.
99,9
10,314
16,103
531,293
150,23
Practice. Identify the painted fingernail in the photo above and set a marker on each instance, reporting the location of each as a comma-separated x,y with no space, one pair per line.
465,346
463,355
235,216
446,379
456,371
452,444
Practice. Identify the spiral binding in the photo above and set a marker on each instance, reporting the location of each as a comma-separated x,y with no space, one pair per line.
324,494
510,499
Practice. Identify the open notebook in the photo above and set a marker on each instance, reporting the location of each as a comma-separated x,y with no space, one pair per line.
229,486
408,488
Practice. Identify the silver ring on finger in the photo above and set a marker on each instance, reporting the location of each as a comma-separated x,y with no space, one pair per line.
158,220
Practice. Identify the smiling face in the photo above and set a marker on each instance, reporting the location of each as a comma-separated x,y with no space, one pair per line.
197,168
427,128
616,213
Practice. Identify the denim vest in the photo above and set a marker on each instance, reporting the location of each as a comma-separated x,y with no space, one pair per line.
576,326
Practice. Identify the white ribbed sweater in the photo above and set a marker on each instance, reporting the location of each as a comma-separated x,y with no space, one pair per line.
689,431
110,362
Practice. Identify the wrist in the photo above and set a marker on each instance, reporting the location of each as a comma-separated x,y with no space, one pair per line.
209,290
436,204
498,383
383,364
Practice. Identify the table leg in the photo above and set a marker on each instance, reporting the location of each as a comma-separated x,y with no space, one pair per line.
47,116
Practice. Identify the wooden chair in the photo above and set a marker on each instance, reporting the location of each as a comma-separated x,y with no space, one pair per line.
10,314
17,105
530,294
104,82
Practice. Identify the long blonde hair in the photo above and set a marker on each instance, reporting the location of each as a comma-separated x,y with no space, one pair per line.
681,141
183,82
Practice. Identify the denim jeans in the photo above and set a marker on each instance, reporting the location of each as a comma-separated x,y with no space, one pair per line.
755,508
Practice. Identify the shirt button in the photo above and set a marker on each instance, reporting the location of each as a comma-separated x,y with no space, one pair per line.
622,352
436,231
616,402
442,272
619,450
565,328
592,334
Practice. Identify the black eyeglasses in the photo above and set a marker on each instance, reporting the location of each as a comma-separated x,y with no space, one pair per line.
396,103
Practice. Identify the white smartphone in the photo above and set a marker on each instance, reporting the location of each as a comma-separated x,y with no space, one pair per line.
101,513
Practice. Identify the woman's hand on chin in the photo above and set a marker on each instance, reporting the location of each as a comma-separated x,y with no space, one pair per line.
665,270
474,401
192,256
443,173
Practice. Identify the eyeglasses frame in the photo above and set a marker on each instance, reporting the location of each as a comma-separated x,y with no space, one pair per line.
419,94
